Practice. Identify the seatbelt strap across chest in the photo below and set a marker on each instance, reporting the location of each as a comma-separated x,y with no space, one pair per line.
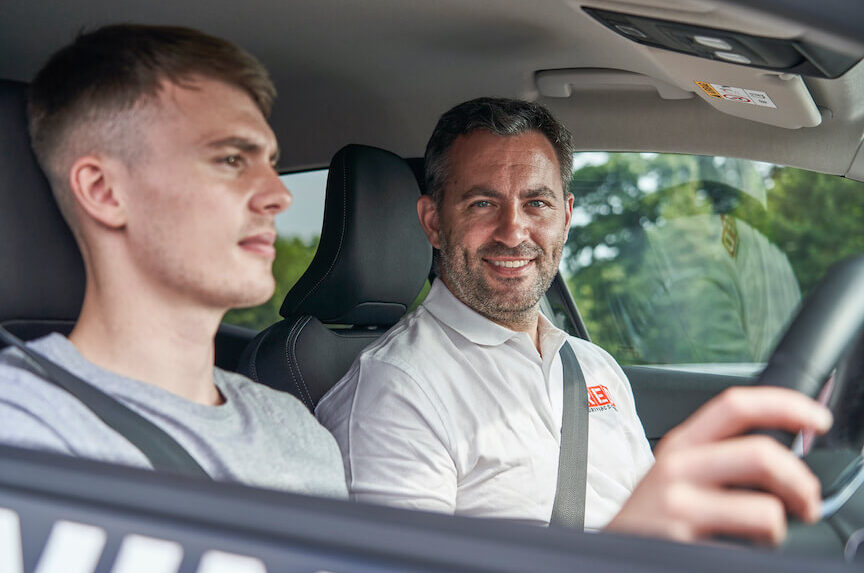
163,451
569,507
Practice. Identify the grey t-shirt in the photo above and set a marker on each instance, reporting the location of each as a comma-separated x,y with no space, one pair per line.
259,436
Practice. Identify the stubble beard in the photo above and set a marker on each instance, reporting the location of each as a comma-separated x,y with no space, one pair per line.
509,302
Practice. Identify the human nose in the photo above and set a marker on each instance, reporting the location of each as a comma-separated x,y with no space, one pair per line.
511,228
272,197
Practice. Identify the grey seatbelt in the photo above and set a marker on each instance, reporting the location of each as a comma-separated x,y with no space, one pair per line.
569,508
163,451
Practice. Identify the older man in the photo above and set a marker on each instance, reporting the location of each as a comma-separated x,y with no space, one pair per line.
459,407
155,142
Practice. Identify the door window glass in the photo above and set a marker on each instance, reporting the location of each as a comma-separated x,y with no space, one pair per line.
299,228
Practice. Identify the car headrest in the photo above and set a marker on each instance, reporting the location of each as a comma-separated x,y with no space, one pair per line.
41,271
373,257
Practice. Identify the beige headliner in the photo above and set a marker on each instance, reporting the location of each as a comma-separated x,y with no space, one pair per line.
380,72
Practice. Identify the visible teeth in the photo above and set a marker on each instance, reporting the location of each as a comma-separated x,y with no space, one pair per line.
510,264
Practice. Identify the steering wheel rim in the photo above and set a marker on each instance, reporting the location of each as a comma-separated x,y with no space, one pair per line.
828,325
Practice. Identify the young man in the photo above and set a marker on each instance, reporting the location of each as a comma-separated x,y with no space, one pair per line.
459,407
155,142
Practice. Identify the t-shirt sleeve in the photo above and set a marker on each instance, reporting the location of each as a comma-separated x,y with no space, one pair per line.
25,429
27,416
393,441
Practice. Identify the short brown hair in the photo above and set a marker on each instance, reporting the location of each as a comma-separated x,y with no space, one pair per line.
84,94
499,116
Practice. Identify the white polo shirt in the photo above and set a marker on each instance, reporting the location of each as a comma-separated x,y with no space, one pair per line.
451,412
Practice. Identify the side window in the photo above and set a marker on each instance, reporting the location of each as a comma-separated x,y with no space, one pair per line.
679,259
299,229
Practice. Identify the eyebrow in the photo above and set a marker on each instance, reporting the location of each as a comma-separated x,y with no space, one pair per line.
243,144
481,192
544,192
475,192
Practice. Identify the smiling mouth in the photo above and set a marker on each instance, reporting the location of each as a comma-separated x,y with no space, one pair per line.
510,264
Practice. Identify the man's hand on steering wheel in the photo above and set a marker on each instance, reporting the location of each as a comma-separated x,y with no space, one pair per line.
713,479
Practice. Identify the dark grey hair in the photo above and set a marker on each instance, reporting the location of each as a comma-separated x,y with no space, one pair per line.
500,116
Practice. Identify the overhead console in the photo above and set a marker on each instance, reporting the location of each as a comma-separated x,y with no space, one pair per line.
743,74
778,54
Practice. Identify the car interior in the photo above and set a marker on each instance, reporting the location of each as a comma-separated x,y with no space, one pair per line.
371,262
360,89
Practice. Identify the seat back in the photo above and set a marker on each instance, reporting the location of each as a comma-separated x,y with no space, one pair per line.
372,261
41,271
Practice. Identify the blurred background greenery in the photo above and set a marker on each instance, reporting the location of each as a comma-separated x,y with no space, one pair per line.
647,264
293,257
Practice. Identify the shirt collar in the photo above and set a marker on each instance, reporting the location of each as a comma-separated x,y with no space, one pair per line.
444,306
447,308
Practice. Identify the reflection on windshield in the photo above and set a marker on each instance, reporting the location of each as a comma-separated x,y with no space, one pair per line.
692,259
722,289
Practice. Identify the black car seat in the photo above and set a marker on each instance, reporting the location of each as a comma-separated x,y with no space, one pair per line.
41,271
371,263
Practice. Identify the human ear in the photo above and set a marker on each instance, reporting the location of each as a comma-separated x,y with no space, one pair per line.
568,211
91,180
427,212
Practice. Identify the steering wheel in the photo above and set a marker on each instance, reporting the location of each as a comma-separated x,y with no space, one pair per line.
828,325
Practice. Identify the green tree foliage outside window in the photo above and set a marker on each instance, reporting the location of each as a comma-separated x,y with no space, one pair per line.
693,259
293,257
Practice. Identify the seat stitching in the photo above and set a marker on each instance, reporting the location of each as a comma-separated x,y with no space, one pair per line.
288,342
291,357
254,359
341,235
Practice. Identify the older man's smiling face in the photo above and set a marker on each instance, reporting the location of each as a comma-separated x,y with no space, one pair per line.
502,223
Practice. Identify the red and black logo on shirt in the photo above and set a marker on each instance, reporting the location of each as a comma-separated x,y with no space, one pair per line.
599,399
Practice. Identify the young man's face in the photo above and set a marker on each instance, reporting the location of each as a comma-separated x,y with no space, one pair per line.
502,223
202,199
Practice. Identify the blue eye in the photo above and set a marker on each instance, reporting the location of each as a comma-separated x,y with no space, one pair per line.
481,203
537,203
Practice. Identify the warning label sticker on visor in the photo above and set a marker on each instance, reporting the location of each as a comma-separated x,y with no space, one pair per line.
740,95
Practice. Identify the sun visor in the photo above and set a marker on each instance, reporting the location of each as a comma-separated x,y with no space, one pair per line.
779,99
755,74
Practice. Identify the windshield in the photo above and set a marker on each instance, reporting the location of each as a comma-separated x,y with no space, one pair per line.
686,259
